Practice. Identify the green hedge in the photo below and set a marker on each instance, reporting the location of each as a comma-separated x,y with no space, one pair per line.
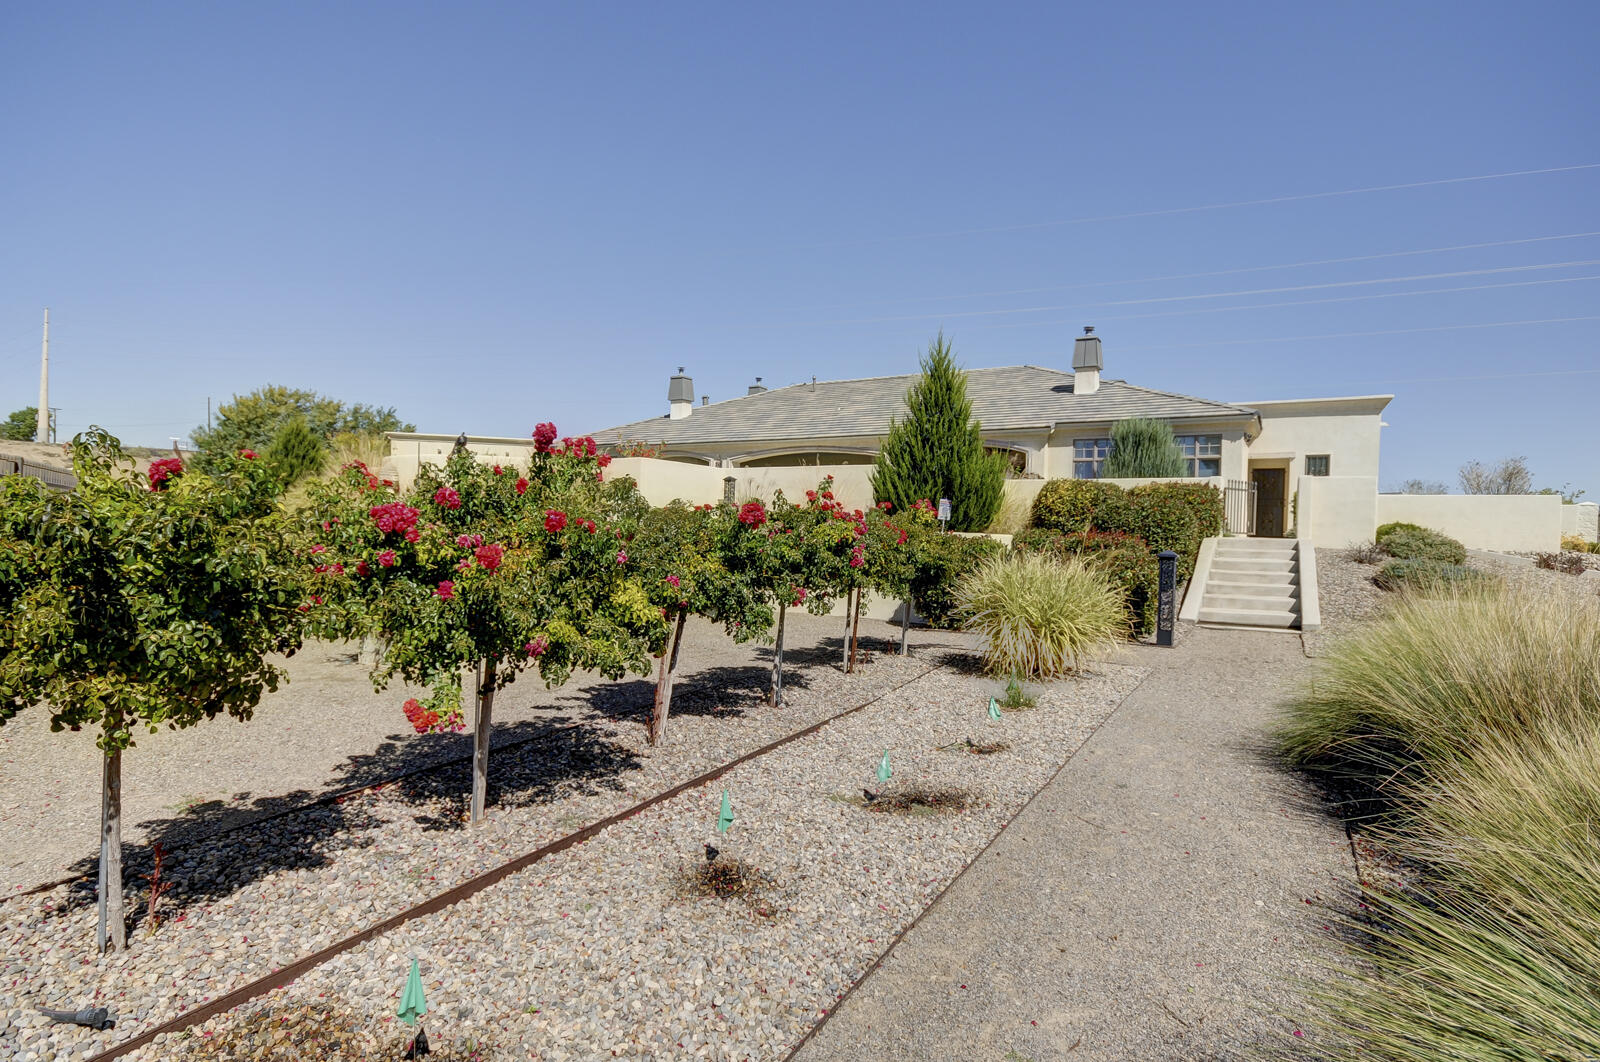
1385,530
1078,505
1421,544
940,560
1203,501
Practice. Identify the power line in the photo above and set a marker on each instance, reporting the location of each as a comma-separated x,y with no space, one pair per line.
1254,269
1360,335
1312,302
1209,295
1169,211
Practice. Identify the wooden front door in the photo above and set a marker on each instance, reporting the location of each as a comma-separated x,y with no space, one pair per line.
1269,500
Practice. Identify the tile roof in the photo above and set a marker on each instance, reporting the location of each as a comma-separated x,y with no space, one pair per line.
1008,398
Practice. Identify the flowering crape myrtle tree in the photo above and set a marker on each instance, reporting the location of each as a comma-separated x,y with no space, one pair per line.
697,560
488,568
850,552
135,602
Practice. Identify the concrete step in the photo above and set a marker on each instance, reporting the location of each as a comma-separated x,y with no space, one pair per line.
1256,545
1237,587
1242,617
1291,578
1250,602
1251,553
1252,564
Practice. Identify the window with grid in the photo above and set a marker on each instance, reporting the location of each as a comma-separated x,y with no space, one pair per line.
1203,453
1316,464
1087,454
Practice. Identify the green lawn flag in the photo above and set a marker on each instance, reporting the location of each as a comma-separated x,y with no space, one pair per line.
725,816
884,770
994,708
412,1003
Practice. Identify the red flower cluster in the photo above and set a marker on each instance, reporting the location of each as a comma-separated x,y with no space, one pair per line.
858,556
422,719
554,520
372,481
489,556
362,568
580,447
469,541
543,435
163,470
537,646
447,498
923,505
799,595
499,471
522,485
248,455
752,514
446,591
386,559
396,516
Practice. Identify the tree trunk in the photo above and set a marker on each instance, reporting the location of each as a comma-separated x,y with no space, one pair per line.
905,626
775,692
113,929
855,631
480,739
669,671
844,658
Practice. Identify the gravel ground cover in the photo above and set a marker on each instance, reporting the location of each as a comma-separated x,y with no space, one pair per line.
1346,595
1517,571
324,731
252,900
596,952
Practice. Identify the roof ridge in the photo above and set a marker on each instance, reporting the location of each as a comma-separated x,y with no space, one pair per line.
1180,394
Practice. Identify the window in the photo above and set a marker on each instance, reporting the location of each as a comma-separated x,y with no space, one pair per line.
1316,464
1087,455
1203,453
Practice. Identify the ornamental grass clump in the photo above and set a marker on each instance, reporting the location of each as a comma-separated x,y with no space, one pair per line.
1419,687
1477,720
1040,617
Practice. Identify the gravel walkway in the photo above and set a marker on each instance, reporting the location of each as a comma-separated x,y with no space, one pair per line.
251,902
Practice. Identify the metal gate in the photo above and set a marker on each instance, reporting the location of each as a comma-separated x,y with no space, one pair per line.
1241,507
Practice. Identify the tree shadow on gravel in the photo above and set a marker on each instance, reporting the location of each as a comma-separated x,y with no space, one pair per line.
534,762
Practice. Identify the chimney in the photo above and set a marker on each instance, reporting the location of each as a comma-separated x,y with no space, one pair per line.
705,400
680,396
755,388
1086,362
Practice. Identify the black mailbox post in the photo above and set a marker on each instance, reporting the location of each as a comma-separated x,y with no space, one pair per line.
1167,600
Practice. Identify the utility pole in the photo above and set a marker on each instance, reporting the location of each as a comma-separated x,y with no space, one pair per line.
41,431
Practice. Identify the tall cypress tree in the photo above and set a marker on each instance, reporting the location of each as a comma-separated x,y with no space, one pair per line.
1143,448
296,451
937,451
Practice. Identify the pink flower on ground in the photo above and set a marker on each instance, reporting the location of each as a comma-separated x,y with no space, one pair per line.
447,590
447,498
386,559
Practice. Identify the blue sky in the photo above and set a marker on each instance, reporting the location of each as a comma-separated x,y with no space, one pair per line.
489,216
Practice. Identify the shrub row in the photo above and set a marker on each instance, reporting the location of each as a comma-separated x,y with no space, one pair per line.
1175,516
939,561
1409,542
1422,573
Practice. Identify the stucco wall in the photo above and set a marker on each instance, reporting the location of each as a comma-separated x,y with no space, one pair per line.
1348,430
1337,511
1582,520
408,451
663,481
1518,523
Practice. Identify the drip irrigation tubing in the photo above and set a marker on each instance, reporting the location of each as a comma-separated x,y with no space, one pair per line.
466,889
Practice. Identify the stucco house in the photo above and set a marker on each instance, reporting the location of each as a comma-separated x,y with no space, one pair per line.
1054,423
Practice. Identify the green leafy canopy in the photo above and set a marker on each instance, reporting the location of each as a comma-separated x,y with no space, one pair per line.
250,422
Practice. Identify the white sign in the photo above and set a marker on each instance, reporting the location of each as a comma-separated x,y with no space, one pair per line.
944,508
